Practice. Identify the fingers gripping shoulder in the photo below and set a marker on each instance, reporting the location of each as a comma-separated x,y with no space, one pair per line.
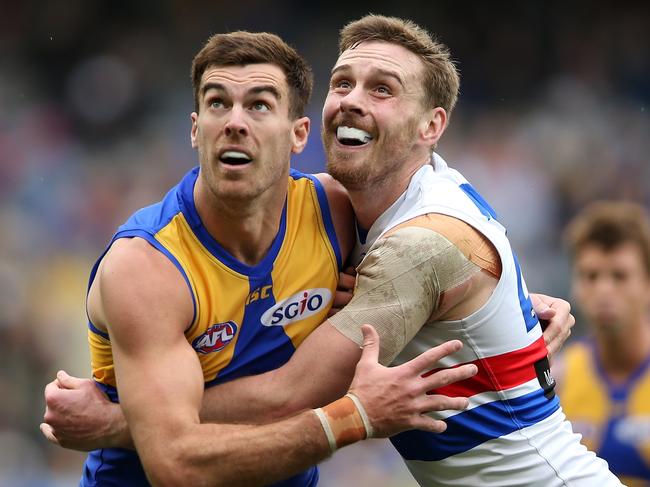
398,288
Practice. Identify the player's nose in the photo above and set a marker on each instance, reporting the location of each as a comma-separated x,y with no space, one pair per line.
236,122
354,101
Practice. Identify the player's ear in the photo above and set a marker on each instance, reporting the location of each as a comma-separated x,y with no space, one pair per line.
194,117
300,134
434,123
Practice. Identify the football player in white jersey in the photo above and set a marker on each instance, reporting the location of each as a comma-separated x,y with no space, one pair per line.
436,265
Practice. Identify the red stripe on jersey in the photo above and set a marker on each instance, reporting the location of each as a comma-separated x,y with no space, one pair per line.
497,373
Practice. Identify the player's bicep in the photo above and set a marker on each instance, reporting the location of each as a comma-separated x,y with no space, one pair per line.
146,309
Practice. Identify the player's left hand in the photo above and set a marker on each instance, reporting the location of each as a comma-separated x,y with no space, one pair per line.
556,319
344,290
398,398
79,416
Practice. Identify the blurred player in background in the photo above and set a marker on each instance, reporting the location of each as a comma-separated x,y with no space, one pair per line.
604,380
337,352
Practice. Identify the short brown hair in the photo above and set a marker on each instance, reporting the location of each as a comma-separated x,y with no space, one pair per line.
441,80
609,224
240,48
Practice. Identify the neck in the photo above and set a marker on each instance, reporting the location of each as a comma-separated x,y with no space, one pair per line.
374,199
621,354
245,228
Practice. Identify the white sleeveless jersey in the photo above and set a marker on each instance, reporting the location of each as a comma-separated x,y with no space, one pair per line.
514,432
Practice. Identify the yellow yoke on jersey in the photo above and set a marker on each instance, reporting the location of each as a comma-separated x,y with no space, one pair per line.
248,319
614,419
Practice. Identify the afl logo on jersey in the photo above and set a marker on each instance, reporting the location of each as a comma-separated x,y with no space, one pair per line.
297,307
215,338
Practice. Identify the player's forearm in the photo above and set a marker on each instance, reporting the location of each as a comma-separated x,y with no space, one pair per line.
319,372
253,400
235,455
279,393
249,400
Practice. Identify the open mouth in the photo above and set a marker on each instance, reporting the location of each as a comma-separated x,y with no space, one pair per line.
235,158
352,136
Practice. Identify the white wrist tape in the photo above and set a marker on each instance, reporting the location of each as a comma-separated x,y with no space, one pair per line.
344,421
362,413
328,429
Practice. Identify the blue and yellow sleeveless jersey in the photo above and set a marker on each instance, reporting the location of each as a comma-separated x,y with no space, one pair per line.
614,419
247,319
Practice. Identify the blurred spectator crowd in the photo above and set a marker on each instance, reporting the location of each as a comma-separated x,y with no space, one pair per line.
94,123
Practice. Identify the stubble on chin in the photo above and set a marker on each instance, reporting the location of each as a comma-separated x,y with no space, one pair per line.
342,167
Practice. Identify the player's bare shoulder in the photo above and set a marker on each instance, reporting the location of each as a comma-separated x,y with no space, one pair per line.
341,209
135,282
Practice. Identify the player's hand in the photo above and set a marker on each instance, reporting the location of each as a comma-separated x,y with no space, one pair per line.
556,319
344,290
395,398
79,416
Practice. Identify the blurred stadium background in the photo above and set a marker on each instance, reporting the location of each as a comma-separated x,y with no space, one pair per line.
95,99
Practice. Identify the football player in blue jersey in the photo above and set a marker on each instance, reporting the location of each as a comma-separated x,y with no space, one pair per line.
604,379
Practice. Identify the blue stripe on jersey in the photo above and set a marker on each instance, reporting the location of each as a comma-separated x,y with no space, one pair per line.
479,201
117,467
97,331
623,458
325,212
259,348
110,391
308,478
530,318
113,467
186,190
471,428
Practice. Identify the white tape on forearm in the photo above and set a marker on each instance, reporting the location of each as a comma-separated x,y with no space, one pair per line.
328,429
362,413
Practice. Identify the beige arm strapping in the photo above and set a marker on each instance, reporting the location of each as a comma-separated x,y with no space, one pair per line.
399,284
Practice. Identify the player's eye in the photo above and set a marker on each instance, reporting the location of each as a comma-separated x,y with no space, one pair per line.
341,84
383,90
260,106
216,103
